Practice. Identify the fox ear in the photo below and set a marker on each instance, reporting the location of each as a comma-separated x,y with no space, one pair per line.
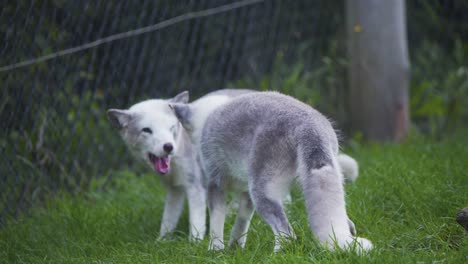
182,98
119,118
184,114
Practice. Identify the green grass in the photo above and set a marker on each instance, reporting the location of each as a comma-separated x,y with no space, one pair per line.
404,201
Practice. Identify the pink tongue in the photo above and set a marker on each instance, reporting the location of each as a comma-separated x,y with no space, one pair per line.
161,165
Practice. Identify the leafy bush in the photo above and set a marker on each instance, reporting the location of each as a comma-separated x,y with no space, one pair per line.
68,143
439,87
322,85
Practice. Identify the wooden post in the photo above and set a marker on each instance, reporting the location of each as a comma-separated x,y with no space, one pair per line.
379,68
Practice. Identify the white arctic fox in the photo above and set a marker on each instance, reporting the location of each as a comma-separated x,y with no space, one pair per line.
153,134
255,144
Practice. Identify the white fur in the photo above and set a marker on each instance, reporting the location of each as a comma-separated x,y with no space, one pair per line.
156,115
349,167
184,176
201,109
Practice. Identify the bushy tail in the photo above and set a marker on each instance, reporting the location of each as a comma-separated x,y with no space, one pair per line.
325,202
349,167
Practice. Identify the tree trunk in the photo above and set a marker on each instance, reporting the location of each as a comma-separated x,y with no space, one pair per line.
379,68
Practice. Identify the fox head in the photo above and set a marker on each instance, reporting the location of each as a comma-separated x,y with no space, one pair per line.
151,130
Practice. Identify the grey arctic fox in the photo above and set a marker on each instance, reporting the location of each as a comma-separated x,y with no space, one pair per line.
255,145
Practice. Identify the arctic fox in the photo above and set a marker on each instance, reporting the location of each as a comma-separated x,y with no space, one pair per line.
154,135
255,145
194,115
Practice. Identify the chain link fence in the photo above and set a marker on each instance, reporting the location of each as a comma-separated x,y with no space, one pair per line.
55,135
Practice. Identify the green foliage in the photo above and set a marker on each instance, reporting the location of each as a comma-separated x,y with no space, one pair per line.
61,149
440,21
439,87
404,201
321,85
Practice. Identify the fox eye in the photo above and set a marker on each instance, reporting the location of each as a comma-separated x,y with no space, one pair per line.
147,130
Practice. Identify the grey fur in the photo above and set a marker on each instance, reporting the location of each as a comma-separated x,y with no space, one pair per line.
183,113
186,114
255,145
119,118
182,97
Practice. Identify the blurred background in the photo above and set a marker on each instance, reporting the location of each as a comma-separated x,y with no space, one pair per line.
55,135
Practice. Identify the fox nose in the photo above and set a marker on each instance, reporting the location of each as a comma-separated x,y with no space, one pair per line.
168,147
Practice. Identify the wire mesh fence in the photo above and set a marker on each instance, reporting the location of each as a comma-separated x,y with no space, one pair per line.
55,135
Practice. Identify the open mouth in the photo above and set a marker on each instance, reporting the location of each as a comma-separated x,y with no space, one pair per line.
161,165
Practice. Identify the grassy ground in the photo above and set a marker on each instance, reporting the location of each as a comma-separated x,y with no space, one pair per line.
404,201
